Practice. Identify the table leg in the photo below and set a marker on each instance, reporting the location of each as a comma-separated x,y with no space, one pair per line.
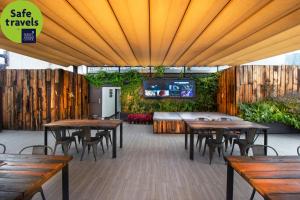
114,143
65,182
46,140
229,188
121,135
265,141
192,145
186,140
186,136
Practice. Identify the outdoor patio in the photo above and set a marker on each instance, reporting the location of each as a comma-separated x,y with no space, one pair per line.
149,167
138,85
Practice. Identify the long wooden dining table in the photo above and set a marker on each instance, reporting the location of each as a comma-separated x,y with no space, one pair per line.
90,123
273,177
194,125
21,176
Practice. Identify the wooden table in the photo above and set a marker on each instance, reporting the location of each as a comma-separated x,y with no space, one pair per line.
90,123
194,125
22,175
274,177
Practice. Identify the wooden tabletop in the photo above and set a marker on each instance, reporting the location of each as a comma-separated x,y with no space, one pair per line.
22,175
85,123
238,124
275,178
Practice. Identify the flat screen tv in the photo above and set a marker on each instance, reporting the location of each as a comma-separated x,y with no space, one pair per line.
169,88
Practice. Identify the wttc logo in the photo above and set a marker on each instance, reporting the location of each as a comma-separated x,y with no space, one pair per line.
21,21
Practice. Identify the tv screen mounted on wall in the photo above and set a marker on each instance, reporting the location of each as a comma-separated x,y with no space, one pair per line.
169,88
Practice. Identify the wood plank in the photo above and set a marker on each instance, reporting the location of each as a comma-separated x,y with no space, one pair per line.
280,196
267,186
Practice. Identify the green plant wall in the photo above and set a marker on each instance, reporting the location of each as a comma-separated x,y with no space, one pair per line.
284,110
132,99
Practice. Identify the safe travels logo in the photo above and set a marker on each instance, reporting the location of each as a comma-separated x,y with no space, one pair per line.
21,21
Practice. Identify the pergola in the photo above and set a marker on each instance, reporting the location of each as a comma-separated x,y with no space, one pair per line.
162,32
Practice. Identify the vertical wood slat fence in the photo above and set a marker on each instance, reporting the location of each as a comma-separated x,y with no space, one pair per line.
31,98
249,83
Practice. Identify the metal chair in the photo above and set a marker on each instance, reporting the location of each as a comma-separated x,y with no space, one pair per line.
250,138
258,150
63,140
38,150
78,134
203,134
4,148
215,143
230,135
88,141
104,134
298,151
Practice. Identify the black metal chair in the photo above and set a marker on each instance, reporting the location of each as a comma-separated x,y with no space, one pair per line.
3,147
298,151
258,150
230,135
250,137
89,141
104,134
38,150
79,134
203,134
217,143
63,140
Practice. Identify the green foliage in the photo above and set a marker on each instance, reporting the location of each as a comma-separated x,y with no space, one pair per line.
284,110
159,71
132,99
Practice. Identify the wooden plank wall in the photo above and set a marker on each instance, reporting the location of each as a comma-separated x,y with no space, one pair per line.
34,97
253,83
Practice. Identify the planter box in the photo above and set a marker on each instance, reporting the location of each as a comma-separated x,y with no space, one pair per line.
279,128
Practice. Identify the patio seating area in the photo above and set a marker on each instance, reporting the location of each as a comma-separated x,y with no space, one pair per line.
149,99
148,167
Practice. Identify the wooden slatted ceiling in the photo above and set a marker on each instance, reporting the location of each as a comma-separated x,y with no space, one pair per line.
155,32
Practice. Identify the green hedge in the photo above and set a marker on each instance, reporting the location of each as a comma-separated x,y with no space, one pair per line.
285,110
132,99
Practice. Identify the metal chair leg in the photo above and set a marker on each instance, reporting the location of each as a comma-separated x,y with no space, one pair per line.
55,148
76,145
252,195
211,153
83,150
94,146
232,148
106,139
42,194
101,142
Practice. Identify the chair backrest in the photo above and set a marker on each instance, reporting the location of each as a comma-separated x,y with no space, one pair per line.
57,133
259,150
250,136
3,147
298,151
219,136
37,149
87,133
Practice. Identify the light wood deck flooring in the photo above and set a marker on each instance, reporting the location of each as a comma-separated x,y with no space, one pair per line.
149,167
